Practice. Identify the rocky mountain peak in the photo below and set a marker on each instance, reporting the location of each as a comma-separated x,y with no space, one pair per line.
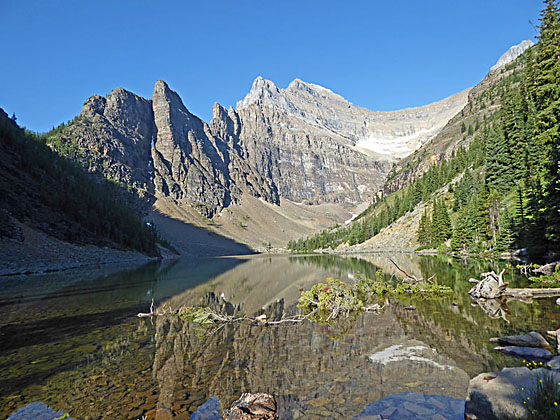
219,112
261,90
170,114
162,92
222,124
303,143
94,105
298,86
313,109
161,86
129,108
512,54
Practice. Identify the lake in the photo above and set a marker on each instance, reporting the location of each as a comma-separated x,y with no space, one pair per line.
72,343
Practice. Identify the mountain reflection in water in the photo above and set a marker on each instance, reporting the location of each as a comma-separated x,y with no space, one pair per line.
76,345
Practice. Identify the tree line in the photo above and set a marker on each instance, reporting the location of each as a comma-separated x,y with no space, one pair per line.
503,191
59,197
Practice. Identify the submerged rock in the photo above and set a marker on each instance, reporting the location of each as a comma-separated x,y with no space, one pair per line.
249,406
526,352
532,339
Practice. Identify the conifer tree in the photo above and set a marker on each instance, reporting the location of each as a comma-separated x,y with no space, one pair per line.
543,91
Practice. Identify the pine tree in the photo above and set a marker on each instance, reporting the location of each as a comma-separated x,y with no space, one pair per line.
505,240
461,237
422,232
543,91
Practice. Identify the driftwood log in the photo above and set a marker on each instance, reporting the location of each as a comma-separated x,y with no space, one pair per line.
493,286
547,269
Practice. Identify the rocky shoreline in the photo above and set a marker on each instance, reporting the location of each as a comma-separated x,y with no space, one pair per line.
34,252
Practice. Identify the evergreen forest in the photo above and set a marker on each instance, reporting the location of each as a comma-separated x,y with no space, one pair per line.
55,195
499,189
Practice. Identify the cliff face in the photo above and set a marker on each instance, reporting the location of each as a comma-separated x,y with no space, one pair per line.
323,148
158,148
303,143
112,135
387,135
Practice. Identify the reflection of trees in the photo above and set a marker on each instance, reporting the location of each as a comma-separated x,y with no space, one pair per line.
451,325
95,356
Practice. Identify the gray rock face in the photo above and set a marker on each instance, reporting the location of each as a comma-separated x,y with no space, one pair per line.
303,143
318,147
387,135
189,162
512,54
158,147
112,135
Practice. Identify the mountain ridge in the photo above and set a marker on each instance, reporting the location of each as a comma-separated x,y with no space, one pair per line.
366,130
300,145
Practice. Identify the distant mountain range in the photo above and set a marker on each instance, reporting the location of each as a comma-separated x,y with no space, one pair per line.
303,143
303,153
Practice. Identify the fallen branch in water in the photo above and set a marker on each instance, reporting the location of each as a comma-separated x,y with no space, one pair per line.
411,276
153,312
493,286
207,316
335,303
149,314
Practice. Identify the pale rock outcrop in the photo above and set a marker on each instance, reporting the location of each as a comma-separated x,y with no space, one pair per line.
512,54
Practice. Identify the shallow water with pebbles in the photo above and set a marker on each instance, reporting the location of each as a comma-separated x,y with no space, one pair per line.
72,343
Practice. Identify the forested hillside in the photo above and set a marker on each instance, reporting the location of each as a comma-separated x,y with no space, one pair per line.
52,194
500,190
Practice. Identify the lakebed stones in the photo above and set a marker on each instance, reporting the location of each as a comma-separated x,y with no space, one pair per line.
532,339
249,406
554,363
414,406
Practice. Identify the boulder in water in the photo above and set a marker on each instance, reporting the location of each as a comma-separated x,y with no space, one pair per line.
501,394
525,352
249,406
532,339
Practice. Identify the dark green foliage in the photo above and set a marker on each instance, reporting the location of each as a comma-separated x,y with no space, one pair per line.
508,194
326,302
435,229
55,195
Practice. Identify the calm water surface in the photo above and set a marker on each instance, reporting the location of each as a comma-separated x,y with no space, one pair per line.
73,344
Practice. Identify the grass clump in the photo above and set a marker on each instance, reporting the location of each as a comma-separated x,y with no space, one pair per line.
552,280
328,301
544,399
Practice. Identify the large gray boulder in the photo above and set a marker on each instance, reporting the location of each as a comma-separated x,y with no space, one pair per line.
532,339
525,352
498,395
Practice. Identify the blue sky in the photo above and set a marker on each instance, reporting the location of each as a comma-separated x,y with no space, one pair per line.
382,55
